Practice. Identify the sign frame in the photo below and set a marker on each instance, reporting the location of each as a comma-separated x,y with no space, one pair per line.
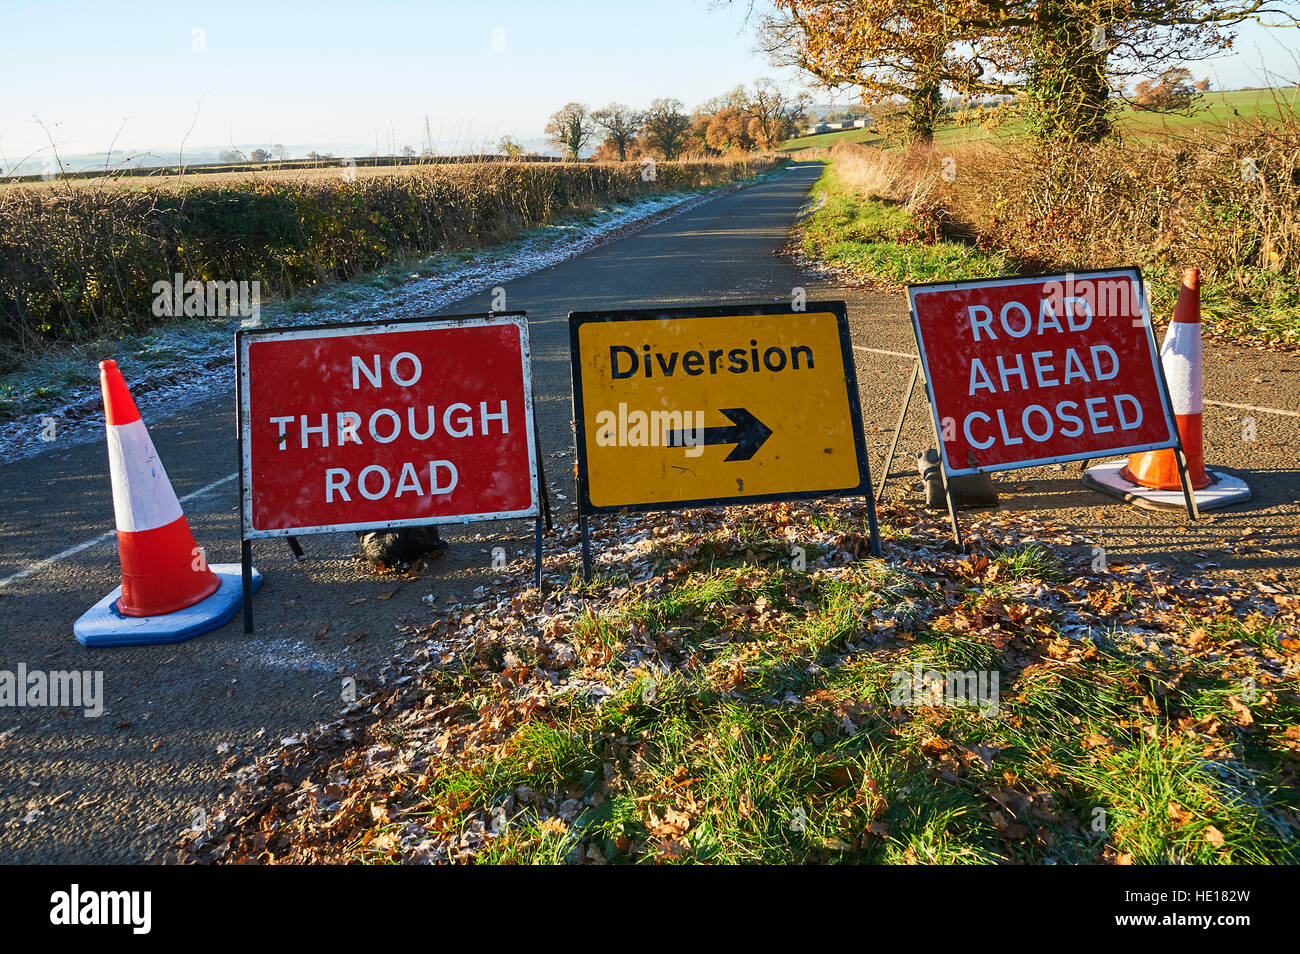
539,507
684,313
1132,273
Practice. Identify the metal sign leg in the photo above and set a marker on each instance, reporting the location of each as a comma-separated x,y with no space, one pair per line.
952,506
585,530
541,477
537,555
898,429
947,489
874,527
1193,512
246,569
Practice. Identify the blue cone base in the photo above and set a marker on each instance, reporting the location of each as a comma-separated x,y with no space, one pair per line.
103,625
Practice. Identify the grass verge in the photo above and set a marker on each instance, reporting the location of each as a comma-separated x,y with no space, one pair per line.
894,220
877,239
750,686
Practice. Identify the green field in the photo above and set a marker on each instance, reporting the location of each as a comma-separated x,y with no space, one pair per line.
1212,110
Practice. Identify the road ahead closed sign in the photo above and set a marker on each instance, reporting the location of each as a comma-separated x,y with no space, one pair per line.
715,405
348,427
1027,371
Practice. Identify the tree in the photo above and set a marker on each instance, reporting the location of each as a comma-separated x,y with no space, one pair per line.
261,155
1172,89
620,124
509,147
774,114
570,128
665,127
889,52
729,129
408,152
1063,54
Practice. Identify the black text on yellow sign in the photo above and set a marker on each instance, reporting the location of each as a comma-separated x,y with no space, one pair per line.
715,405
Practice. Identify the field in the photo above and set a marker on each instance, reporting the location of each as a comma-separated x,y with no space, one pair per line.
287,173
1213,111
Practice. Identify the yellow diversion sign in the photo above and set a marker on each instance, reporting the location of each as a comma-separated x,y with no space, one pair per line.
715,405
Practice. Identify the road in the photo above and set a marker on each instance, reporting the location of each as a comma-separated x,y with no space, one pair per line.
118,788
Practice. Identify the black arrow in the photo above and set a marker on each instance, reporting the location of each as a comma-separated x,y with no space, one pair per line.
746,431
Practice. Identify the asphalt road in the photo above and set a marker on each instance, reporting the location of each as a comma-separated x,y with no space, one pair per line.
119,787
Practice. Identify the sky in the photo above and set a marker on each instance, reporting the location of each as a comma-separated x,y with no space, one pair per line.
328,73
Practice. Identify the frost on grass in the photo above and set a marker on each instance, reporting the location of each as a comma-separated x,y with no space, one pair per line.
703,700
178,364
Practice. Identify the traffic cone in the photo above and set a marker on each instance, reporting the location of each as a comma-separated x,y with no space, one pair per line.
168,591
1150,478
1181,357
162,567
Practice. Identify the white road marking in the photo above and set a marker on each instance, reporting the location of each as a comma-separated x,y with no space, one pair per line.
71,551
896,354
1240,407
1251,407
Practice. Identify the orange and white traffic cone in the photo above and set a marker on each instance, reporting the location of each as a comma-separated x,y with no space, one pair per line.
1150,478
162,567
168,591
1181,357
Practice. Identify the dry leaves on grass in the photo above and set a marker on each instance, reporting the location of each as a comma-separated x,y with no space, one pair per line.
464,685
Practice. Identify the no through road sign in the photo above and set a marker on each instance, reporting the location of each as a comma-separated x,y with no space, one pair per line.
349,427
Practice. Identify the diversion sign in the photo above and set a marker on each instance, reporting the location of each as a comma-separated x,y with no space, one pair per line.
390,424
1043,369
679,407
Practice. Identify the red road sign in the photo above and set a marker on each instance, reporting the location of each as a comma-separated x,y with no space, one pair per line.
1042,369
404,423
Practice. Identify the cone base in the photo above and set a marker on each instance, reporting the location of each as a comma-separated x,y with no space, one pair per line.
104,625
1224,489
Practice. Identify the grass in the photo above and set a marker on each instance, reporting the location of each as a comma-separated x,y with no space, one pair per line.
876,238
738,710
969,210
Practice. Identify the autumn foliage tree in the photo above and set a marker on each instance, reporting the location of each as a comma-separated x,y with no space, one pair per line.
743,119
1172,89
621,125
1065,55
665,127
902,50
773,113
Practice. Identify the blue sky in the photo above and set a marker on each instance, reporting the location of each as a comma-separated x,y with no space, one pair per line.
331,72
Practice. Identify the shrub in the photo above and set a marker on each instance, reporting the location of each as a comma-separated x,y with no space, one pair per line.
79,260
